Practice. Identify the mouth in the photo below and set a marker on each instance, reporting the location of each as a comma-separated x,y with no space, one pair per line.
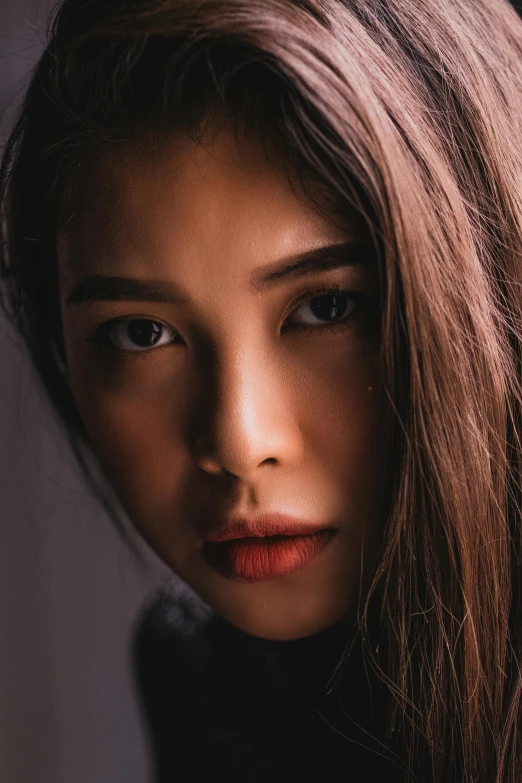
258,558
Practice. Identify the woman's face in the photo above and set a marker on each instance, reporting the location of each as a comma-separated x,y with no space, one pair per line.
221,384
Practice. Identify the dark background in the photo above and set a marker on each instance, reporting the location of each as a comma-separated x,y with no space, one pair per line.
69,589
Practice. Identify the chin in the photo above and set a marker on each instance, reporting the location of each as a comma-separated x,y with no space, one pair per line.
278,610
280,629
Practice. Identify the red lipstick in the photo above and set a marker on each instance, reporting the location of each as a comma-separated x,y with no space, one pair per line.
264,547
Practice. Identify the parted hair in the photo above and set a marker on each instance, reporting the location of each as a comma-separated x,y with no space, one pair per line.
410,114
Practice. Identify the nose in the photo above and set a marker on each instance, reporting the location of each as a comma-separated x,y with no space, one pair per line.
246,416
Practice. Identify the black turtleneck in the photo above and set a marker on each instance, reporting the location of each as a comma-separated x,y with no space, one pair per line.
222,703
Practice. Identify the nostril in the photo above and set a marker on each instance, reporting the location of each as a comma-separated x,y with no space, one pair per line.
269,461
209,465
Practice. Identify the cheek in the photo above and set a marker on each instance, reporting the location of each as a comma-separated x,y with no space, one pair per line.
342,422
340,415
135,420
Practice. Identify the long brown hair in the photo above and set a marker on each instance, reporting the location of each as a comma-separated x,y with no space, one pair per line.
410,113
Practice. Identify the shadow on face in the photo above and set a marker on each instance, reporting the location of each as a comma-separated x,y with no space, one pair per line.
222,339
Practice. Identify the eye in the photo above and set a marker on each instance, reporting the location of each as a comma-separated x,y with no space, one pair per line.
134,334
326,308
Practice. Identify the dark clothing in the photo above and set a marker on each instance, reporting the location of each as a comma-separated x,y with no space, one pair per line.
226,705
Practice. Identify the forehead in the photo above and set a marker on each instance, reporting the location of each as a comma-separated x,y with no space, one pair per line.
184,203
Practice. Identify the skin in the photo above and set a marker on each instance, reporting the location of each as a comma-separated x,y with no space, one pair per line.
244,407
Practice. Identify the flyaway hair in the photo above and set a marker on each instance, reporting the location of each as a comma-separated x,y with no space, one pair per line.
410,114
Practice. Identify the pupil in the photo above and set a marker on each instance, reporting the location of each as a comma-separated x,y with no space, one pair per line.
330,306
144,333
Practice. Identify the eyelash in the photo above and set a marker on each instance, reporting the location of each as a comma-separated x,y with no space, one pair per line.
326,291
102,333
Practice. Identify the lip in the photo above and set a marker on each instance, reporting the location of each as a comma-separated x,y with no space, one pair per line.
264,547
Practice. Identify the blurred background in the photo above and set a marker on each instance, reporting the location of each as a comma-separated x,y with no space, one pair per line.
70,591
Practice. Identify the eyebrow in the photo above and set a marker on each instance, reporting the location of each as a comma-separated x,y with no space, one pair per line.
103,288
352,253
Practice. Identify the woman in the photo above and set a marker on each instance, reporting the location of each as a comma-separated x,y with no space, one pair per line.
265,256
